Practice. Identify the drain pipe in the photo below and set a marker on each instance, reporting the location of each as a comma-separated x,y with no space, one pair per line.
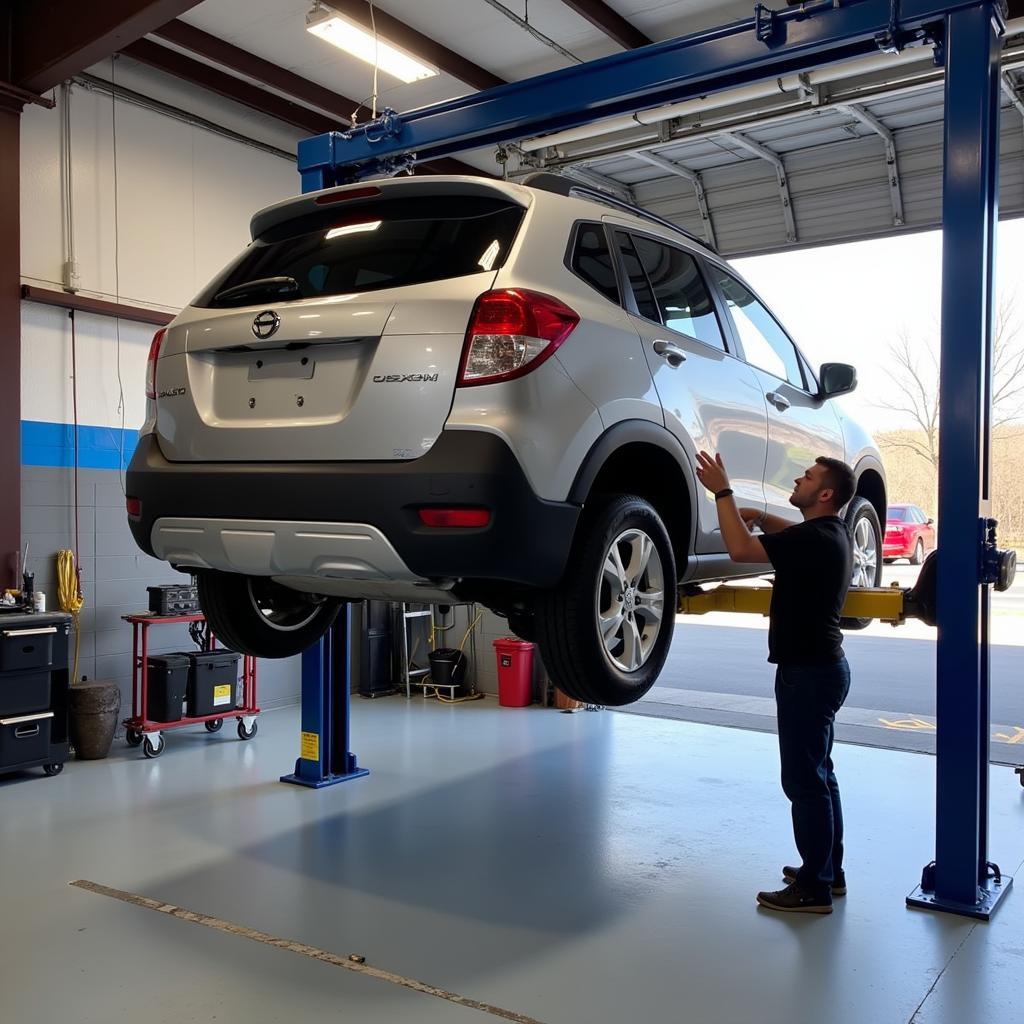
69,271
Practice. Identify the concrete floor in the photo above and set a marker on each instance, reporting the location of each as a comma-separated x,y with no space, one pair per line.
561,867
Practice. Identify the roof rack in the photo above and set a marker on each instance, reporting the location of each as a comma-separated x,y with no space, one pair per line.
564,186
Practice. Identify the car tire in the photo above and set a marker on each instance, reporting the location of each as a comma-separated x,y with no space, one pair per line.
866,533
254,615
622,558
918,556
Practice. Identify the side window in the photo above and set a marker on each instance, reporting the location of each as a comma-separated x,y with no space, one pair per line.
679,290
592,261
765,344
918,515
645,303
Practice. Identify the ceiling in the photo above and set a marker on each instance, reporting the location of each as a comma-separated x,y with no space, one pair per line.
806,168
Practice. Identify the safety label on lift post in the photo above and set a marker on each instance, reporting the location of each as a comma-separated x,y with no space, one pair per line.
310,749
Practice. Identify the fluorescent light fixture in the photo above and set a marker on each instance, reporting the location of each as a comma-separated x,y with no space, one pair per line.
352,229
356,40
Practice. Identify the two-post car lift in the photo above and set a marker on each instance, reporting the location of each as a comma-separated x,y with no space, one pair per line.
966,36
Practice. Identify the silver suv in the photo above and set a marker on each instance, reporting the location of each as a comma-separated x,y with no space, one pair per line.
447,389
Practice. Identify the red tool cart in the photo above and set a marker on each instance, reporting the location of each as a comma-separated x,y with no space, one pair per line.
147,732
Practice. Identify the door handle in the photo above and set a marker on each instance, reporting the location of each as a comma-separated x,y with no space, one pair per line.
672,354
780,402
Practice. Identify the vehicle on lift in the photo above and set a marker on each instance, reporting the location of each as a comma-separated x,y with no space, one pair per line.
446,389
909,533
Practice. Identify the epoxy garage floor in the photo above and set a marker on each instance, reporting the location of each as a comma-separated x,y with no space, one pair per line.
564,868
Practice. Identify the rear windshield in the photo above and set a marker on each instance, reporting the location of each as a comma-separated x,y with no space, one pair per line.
384,244
899,515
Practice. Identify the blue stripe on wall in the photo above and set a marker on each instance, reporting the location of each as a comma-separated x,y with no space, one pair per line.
53,444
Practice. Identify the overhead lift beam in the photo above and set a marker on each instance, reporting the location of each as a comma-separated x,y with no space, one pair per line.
790,41
967,36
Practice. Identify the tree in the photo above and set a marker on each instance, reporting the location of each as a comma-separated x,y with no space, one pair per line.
915,376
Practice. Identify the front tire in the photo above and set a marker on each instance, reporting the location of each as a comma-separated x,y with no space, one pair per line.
866,532
605,631
254,615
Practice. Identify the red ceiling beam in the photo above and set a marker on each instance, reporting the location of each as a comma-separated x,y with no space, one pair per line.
610,22
55,39
427,49
188,37
197,73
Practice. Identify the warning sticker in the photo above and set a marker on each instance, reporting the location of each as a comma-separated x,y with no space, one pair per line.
310,749
222,695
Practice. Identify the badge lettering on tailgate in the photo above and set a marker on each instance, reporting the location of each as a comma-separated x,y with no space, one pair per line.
402,378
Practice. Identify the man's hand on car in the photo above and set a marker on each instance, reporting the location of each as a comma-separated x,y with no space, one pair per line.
711,472
752,517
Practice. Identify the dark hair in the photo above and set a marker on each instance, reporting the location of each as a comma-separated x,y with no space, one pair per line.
840,478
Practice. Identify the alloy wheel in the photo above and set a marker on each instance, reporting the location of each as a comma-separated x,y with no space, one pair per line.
865,555
630,604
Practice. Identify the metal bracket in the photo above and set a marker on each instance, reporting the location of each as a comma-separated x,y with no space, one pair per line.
780,172
764,22
889,40
694,178
998,568
387,126
892,167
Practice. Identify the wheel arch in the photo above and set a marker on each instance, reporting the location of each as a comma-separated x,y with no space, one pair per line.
640,457
871,485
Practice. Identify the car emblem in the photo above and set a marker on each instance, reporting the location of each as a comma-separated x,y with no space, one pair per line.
266,324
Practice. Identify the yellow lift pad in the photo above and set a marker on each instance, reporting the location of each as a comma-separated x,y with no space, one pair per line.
883,603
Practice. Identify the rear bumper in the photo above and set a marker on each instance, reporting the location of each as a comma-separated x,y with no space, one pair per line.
353,507
897,548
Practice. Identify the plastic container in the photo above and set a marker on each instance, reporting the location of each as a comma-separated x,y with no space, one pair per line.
212,682
515,672
167,680
447,667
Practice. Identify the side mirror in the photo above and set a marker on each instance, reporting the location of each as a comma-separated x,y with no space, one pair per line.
837,379
929,522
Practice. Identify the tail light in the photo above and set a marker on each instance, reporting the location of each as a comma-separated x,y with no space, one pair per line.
154,355
133,507
511,332
449,517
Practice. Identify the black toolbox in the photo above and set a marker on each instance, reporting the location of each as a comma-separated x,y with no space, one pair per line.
167,684
25,739
21,693
212,682
173,599
26,646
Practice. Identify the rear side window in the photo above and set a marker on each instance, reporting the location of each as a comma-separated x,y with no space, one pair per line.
366,247
645,304
679,290
591,260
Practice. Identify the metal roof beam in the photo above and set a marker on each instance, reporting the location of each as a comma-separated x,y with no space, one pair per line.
816,33
55,39
1013,92
694,178
610,22
764,153
892,168
427,49
232,57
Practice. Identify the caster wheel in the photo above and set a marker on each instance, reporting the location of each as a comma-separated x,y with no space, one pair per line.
133,737
215,725
53,769
150,750
246,734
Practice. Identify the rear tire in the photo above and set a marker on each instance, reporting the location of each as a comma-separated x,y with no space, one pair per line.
918,556
605,631
253,615
866,532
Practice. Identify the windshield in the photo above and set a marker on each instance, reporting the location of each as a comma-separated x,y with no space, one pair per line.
366,247
899,515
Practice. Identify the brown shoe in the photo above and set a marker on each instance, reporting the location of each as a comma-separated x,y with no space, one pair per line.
838,883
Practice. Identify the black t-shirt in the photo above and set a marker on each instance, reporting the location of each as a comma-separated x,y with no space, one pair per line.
813,563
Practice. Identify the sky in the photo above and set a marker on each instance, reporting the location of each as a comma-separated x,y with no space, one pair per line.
846,303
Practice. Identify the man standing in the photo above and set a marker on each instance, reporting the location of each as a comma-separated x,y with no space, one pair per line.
813,566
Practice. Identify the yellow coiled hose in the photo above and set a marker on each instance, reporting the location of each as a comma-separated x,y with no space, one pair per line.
69,596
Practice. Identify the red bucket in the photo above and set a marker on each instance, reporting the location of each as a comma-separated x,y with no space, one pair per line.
515,672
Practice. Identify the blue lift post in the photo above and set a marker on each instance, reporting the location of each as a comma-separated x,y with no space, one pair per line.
967,36
325,758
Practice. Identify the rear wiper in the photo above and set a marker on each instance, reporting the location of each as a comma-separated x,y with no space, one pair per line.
262,287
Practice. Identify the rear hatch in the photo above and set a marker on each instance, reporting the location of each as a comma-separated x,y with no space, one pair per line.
336,335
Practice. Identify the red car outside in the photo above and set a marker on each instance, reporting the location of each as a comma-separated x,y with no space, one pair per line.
909,533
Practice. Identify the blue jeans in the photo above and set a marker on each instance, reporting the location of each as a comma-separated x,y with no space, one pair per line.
807,698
